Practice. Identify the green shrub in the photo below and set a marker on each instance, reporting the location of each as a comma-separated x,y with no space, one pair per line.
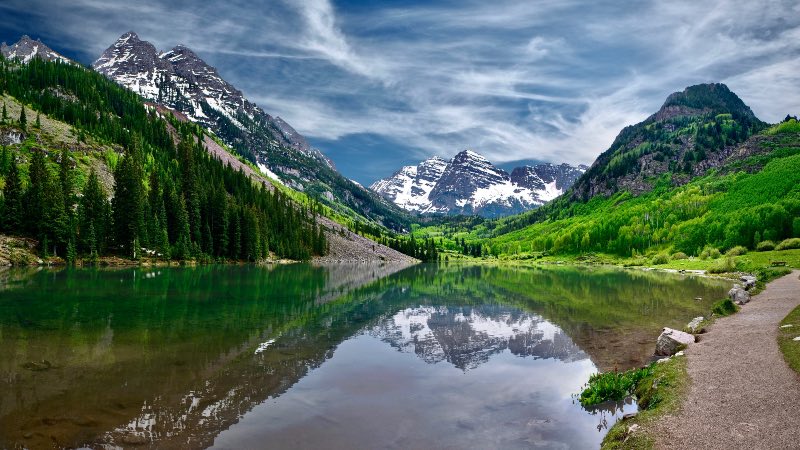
635,262
722,266
679,255
787,244
710,252
603,387
724,308
661,258
789,126
765,246
736,251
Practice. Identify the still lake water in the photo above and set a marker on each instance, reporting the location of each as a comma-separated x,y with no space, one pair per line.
346,356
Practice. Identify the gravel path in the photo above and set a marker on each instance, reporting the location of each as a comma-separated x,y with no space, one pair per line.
743,395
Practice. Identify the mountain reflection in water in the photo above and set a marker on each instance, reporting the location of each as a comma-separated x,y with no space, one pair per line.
307,356
467,337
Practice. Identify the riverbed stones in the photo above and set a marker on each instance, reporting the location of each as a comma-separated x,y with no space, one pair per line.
738,295
672,341
694,325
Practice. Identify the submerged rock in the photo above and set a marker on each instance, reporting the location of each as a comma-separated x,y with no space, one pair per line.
694,325
739,295
671,341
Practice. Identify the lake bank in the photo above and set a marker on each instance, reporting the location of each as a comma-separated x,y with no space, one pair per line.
740,394
347,247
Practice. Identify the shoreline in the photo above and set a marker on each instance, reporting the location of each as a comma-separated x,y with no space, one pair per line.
714,387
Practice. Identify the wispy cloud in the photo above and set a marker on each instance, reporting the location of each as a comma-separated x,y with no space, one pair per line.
547,80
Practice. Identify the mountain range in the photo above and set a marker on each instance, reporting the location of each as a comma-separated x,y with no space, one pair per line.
179,80
683,165
26,48
470,184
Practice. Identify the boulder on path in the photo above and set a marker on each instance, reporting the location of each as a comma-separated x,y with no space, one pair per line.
694,325
672,341
738,295
749,281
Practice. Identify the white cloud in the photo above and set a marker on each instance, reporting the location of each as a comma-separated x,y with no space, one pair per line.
548,80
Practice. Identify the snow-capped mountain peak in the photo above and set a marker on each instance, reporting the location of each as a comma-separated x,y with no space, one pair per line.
181,80
26,49
470,184
410,186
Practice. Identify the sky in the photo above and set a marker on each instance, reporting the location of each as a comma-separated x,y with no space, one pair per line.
380,84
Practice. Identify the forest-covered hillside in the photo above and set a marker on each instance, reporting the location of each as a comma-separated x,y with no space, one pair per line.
751,202
170,198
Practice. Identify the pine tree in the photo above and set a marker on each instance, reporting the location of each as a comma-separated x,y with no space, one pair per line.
23,119
55,220
93,217
13,218
182,245
128,203
190,187
38,124
35,196
65,178
5,160
157,216
72,253
219,222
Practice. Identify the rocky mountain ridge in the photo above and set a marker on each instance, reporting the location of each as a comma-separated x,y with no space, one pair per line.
694,131
470,184
181,81
26,49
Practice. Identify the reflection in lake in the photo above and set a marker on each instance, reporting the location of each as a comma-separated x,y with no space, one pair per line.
467,336
341,357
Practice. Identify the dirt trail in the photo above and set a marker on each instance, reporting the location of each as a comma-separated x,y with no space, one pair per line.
743,395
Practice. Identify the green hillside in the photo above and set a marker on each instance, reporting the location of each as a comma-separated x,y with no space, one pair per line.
81,134
752,202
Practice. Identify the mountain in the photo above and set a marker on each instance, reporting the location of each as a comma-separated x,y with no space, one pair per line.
470,184
410,186
695,130
701,176
180,80
200,200
26,48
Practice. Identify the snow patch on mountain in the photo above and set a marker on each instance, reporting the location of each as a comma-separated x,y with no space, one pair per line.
467,337
26,49
265,170
181,80
470,184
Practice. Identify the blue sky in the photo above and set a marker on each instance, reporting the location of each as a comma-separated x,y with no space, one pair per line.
379,84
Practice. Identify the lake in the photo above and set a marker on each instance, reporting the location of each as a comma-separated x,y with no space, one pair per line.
344,356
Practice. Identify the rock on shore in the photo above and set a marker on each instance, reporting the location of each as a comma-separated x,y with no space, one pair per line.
672,341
